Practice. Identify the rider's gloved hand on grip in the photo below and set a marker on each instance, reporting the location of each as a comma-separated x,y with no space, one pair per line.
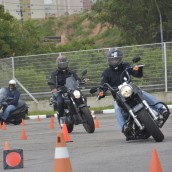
138,68
54,90
101,95
5,104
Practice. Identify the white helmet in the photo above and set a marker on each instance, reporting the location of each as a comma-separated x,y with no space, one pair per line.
12,82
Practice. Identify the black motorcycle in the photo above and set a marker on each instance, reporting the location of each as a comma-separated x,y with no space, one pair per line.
141,119
76,110
16,115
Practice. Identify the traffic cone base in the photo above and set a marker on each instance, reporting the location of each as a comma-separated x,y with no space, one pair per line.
13,159
63,165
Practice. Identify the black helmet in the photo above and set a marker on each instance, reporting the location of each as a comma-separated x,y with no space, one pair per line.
62,63
114,57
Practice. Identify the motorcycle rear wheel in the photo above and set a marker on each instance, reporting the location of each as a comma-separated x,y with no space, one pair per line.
150,125
88,120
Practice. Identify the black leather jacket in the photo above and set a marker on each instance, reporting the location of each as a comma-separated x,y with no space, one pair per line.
58,78
112,76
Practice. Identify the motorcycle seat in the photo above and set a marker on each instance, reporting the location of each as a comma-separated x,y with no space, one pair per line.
20,106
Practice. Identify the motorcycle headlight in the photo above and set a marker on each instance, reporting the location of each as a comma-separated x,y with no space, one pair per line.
126,91
77,94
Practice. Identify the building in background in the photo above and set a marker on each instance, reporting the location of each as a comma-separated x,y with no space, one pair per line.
25,9
51,9
36,9
32,9
63,7
12,6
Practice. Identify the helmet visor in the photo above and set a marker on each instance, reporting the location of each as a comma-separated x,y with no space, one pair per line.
63,65
114,61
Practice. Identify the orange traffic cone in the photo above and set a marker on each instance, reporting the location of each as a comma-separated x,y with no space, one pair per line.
38,119
51,123
96,123
65,133
6,146
23,135
62,160
155,162
22,123
4,126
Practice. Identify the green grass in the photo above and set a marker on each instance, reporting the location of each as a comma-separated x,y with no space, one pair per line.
54,112
41,113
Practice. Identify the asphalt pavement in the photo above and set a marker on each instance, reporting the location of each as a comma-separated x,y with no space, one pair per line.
104,150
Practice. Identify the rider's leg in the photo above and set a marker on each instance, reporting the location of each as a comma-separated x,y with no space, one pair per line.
152,100
119,116
7,111
158,108
60,104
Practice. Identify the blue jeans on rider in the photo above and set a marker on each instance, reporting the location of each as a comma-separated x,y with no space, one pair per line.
148,97
7,111
60,104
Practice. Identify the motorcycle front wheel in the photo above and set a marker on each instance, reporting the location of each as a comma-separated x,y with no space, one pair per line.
69,124
150,125
88,120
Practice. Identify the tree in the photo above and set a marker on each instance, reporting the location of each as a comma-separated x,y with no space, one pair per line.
7,23
138,20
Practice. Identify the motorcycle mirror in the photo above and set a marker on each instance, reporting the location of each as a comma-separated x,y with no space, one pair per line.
93,90
136,59
84,72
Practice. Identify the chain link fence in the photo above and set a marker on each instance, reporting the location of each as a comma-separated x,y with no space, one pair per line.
32,72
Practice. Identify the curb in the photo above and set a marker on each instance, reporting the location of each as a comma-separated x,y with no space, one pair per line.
113,111
107,111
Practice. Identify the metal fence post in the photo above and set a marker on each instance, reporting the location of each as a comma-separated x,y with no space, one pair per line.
165,66
13,68
13,75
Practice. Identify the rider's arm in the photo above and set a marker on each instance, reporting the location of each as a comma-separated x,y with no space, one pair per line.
53,80
104,79
136,71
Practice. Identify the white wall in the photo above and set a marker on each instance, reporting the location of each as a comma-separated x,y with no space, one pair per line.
12,6
37,9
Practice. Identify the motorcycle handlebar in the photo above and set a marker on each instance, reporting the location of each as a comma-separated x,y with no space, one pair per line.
110,88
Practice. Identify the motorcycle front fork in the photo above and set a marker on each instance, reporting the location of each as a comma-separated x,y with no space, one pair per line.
153,113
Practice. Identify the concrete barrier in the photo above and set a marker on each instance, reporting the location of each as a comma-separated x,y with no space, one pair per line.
43,105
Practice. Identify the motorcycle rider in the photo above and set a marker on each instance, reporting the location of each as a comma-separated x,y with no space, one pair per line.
112,74
14,93
57,80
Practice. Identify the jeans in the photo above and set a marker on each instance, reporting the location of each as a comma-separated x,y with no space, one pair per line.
7,111
60,104
148,97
